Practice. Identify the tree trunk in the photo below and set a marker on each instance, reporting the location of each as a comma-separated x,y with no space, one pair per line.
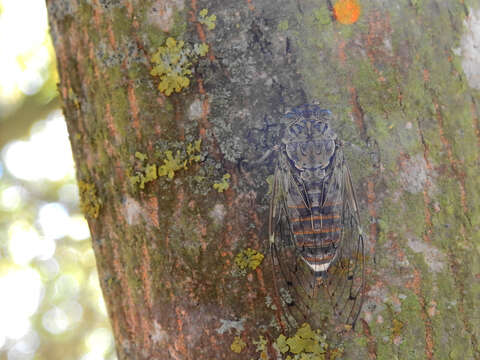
167,224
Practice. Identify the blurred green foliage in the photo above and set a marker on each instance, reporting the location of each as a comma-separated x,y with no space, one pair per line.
51,306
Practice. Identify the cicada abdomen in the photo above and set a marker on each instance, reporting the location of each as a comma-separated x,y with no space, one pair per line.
315,234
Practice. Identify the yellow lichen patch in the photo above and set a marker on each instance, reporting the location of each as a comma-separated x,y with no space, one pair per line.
261,347
200,49
269,181
73,97
238,345
147,172
172,164
150,172
281,344
397,327
173,64
248,258
223,184
208,21
140,156
306,344
193,151
180,161
89,203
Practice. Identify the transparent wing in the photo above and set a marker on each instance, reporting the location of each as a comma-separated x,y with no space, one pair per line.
345,282
317,225
293,280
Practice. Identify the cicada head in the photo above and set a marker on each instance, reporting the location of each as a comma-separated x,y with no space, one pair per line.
309,141
308,111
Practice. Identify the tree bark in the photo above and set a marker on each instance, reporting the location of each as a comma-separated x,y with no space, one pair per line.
402,84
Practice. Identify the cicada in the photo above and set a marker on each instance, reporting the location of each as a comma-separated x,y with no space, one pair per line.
316,239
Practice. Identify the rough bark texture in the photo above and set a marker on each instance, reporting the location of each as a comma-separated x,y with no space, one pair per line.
403,85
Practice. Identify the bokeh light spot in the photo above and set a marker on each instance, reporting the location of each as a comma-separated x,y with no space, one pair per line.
98,342
55,321
45,156
25,348
23,57
73,309
78,228
11,198
25,243
66,286
94,285
49,269
68,193
21,292
54,220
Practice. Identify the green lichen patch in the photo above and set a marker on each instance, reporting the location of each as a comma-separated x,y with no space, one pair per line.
238,345
89,203
208,21
269,181
322,15
249,259
283,25
306,344
200,49
269,303
173,64
286,297
261,347
417,4
223,184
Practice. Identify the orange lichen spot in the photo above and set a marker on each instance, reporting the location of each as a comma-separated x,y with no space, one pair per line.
346,11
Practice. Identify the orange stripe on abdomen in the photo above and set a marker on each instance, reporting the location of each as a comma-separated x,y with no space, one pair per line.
317,231
318,259
317,243
318,217
327,204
